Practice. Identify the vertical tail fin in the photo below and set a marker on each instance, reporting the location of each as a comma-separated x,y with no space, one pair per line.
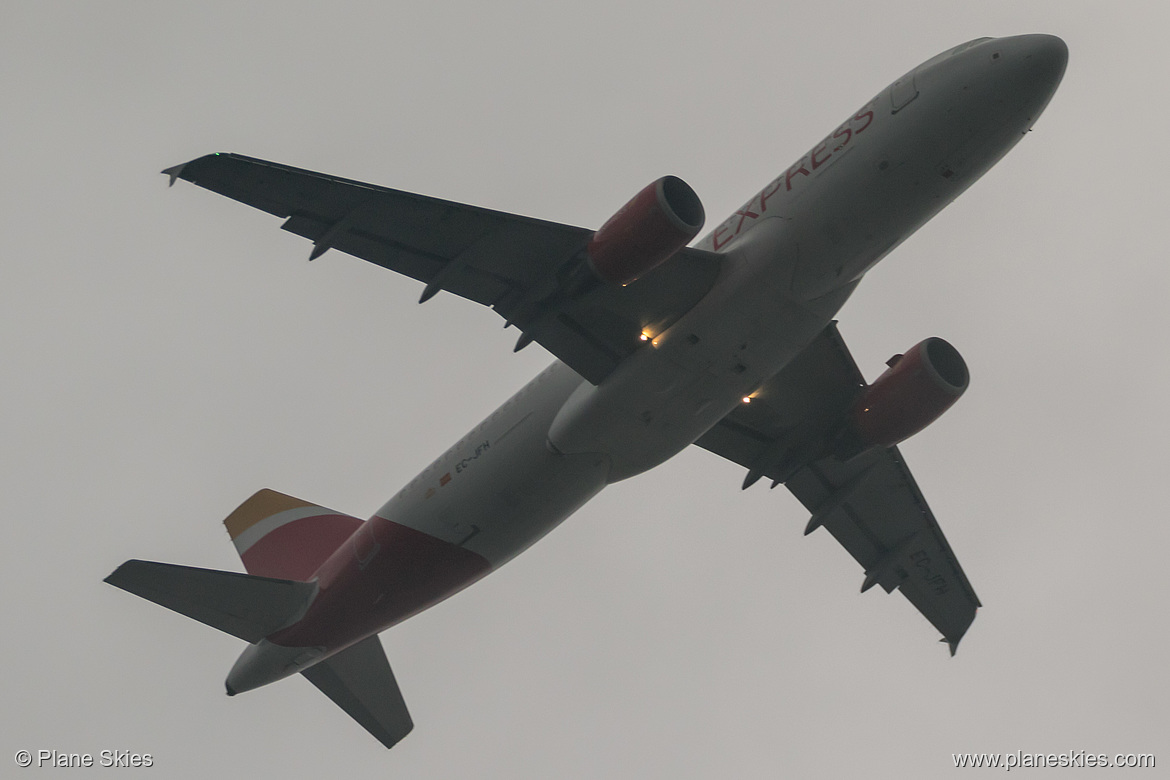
282,542
284,537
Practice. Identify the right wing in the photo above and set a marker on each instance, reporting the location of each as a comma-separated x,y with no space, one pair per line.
511,263
870,503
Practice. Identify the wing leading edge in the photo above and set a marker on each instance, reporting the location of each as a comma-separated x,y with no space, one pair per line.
870,503
514,264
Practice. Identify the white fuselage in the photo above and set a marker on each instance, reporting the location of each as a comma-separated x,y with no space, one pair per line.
794,253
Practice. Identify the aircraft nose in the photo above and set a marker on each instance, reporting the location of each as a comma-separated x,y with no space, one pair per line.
1031,67
1045,55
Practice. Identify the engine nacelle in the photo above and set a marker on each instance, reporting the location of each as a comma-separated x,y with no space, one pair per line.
914,392
656,223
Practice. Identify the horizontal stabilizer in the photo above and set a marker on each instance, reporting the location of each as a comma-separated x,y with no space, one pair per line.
242,605
359,680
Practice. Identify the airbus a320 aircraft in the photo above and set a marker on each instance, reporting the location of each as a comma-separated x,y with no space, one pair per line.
730,345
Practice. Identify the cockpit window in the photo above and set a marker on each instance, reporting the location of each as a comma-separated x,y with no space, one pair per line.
968,45
951,52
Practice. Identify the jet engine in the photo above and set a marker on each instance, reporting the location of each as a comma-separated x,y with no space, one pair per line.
913,392
656,223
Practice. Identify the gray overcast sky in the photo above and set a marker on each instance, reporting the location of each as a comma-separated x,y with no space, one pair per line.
167,352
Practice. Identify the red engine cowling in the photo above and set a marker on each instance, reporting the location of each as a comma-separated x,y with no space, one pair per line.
656,223
914,392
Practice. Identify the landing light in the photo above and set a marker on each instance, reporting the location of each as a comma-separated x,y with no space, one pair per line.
747,399
645,336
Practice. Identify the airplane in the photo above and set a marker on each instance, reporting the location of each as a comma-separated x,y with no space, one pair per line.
730,345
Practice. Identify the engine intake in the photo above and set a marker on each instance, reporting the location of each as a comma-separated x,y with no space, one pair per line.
914,392
652,226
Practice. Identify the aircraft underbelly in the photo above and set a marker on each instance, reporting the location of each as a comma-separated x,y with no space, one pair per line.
501,488
681,384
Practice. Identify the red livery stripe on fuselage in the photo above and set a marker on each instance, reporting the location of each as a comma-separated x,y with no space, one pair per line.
382,575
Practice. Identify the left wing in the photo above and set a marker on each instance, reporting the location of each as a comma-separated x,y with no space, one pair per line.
514,264
870,503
